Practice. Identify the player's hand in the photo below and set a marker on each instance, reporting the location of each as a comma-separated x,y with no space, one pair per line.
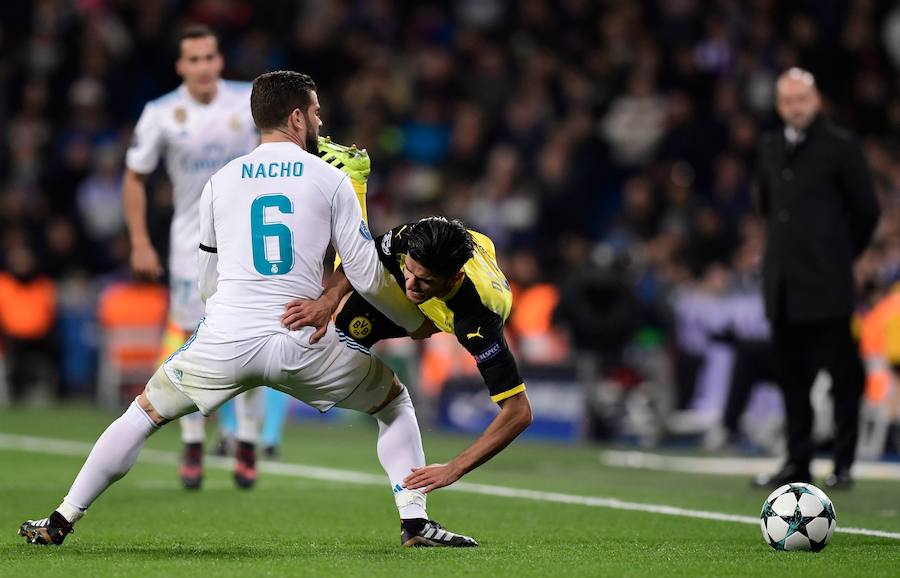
305,313
145,261
426,330
431,477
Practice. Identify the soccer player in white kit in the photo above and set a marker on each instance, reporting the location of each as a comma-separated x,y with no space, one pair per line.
198,127
266,220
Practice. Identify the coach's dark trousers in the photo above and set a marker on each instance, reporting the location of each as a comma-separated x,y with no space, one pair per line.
801,350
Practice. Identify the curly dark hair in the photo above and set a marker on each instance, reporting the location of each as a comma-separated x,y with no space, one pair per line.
440,245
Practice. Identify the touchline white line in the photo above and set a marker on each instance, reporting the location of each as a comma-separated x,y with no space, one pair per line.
31,444
743,466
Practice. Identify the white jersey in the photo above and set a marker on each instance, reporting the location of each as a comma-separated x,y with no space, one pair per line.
196,139
266,220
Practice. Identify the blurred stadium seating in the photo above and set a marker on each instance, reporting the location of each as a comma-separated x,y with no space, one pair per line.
608,148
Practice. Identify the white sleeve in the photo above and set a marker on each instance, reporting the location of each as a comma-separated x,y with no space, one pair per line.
146,143
209,256
353,242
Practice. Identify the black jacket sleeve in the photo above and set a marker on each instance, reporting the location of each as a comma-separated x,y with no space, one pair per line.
859,195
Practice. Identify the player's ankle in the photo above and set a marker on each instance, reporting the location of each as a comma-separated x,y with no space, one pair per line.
193,451
413,525
246,452
70,512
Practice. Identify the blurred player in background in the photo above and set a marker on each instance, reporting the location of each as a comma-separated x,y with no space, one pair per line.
198,127
266,220
451,274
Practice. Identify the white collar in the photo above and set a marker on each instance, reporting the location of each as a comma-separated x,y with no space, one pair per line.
793,135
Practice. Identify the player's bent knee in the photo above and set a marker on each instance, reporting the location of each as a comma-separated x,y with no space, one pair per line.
148,408
397,389
164,400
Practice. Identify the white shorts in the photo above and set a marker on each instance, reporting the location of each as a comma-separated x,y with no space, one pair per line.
186,308
210,369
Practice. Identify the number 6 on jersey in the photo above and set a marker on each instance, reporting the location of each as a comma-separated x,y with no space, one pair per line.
266,258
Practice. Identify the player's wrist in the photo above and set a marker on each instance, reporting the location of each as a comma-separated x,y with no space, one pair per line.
141,242
331,298
456,469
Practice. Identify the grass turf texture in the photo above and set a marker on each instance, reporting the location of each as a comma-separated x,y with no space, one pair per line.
145,525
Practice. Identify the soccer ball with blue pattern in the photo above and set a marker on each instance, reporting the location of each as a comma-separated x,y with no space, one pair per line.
797,517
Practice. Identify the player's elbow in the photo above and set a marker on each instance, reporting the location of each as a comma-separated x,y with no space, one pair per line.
527,417
133,178
520,410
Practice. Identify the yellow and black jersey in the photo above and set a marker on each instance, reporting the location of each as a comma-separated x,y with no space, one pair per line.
474,311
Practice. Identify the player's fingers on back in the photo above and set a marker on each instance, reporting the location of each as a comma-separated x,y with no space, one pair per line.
296,310
320,332
293,321
291,312
300,321
306,320
291,304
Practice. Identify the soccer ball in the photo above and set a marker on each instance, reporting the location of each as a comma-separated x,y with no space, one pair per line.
797,517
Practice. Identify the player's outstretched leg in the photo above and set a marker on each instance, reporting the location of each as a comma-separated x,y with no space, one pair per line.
400,450
112,456
351,160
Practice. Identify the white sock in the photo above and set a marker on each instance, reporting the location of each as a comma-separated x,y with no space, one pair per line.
400,450
70,512
248,410
193,428
112,456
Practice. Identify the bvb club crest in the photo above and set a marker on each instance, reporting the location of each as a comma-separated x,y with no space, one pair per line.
360,327
180,115
235,123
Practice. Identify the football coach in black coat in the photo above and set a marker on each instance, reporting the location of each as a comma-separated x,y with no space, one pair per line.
818,197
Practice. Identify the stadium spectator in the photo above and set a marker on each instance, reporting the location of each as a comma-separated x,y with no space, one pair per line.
817,194
27,314
537,77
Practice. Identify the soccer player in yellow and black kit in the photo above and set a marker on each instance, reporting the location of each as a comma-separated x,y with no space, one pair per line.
452,275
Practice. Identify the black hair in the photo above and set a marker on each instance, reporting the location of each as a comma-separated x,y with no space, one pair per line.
440,245
276,94
190,32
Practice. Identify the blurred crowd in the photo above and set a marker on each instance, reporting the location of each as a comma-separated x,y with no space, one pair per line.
608,148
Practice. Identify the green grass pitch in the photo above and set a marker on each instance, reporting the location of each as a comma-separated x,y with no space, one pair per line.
145,525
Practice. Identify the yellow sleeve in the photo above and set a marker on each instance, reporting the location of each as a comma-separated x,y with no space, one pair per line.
360,189
508,393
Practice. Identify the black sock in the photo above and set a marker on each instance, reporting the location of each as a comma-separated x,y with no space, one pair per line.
193,452
246,452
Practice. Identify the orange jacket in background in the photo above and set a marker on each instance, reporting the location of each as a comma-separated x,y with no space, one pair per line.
880,344
27,309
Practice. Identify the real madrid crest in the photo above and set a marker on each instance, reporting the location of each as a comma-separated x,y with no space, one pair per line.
180,115
235,123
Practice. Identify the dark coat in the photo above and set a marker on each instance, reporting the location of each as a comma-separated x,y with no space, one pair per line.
819,201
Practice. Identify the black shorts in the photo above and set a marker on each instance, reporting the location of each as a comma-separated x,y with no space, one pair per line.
364,323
